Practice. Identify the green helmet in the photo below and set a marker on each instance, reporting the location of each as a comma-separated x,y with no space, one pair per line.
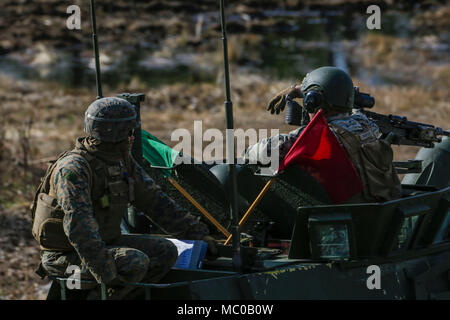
110,119
334,84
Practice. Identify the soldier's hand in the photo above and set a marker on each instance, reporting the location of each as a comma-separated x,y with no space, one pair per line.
212,248
277,103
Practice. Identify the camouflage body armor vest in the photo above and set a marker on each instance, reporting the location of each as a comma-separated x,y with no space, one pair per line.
372,158
111,191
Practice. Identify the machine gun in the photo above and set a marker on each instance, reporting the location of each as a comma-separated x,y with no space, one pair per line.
400,130
396,129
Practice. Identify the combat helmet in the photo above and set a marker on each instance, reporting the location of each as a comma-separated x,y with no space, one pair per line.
328,88
110,119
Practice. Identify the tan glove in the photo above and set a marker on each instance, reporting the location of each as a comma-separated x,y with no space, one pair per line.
212,248
277,103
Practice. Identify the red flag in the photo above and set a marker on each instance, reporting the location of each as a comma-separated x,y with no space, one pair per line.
318,152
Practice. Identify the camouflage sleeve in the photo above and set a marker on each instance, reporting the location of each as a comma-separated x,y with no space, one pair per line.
261,151
71,185
164,211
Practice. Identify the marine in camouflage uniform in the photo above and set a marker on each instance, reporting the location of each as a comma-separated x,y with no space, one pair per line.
84,196
331,89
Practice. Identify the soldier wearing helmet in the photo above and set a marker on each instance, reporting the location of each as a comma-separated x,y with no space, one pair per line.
331,89
84,195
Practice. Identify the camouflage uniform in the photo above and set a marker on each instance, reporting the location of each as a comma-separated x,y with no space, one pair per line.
133,257
136,258
84,195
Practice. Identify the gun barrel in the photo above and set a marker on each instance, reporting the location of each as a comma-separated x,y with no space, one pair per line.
442,132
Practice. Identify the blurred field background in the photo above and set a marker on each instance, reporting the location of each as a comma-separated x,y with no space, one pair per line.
171,51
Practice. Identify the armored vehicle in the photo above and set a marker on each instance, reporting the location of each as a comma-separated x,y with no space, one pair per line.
299,247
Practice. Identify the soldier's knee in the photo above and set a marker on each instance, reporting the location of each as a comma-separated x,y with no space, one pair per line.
141,263
132,262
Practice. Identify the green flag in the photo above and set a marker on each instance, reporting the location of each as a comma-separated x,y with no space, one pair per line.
157,153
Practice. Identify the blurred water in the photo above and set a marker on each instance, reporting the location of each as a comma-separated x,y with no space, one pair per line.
287,48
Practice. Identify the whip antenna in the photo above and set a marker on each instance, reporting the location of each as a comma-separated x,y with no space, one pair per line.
96,54
237,261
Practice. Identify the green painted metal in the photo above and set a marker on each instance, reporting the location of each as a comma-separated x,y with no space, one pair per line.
62,285
418,269
434,166
377,225
103,291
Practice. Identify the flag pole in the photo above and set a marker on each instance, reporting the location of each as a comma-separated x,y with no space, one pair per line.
253,206
199,207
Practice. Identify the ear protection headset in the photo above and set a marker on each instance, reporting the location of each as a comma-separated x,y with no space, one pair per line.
312,101
296,115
